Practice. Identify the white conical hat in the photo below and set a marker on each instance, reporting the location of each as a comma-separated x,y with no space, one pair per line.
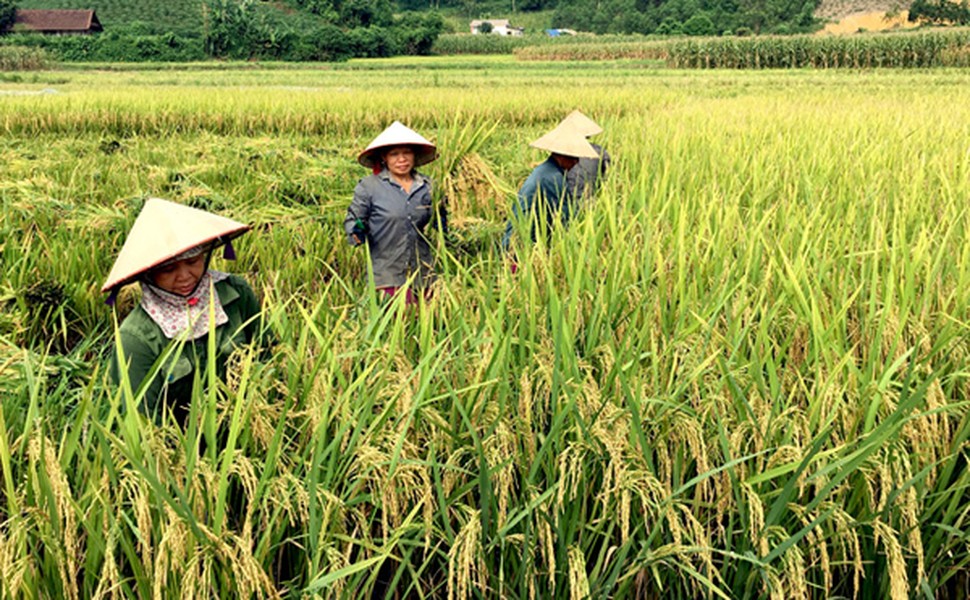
567,142
398,135
162,231
581,124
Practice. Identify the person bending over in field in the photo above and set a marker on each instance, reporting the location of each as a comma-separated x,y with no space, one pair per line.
545,198
391,208
167,252
584,179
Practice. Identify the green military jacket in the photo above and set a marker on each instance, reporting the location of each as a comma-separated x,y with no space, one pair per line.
143,343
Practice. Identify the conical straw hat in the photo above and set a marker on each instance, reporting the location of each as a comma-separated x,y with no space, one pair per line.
164,230
581,124
566,142
398,135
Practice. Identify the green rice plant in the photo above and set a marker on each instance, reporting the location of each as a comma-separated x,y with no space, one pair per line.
740,372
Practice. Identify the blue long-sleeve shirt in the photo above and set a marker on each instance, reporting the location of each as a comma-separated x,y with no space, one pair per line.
544,190
583,179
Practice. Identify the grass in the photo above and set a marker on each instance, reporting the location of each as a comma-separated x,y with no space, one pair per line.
13,58
742,372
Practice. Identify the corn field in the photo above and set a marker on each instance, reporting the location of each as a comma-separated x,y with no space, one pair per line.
886,50
896,50
633,50
742,371
454,44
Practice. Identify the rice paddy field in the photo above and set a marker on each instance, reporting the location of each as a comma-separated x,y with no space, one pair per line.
742,372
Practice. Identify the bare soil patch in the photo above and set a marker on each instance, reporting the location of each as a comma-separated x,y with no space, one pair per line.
880,20
853,16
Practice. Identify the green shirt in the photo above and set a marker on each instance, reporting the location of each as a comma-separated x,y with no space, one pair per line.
143,342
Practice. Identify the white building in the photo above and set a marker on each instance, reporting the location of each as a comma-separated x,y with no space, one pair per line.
498,27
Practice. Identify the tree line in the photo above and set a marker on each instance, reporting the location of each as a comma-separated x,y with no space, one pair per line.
662,17
341,29
334,30
688,17
319,30
940,12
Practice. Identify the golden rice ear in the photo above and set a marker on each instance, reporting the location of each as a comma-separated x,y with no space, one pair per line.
41,450
578,581
466,567
500,450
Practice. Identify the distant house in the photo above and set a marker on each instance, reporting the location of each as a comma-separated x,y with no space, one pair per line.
57,22
495,27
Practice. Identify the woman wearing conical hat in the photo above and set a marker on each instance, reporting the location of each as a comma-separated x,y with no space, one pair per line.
167,253
392,208
583,180
545,198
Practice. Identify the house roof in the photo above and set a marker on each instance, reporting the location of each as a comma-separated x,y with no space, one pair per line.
57,20
493,22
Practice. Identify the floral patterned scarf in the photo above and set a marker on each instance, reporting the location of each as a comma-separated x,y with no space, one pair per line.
177,314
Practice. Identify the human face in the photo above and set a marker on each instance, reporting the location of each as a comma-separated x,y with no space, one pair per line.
565,162
180,277
400,161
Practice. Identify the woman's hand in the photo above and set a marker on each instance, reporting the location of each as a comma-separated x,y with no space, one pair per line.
358,232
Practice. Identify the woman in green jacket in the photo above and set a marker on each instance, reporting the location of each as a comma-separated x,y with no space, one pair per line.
167,252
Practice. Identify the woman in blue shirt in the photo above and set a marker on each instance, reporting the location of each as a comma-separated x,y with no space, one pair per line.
546,191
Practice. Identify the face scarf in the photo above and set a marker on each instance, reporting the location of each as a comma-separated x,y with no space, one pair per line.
177,314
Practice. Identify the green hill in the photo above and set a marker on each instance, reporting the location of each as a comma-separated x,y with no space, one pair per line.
160,16
169,15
